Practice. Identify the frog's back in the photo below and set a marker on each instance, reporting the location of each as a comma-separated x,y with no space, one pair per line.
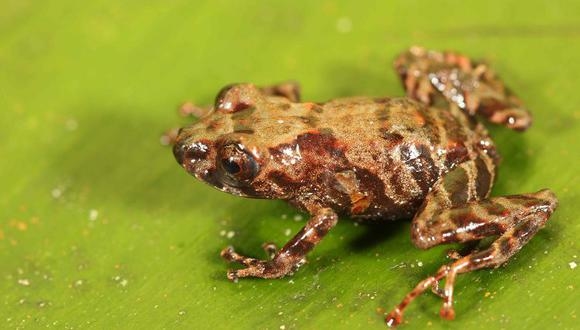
394,150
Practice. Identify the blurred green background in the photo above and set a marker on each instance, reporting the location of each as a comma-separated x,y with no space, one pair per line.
100,228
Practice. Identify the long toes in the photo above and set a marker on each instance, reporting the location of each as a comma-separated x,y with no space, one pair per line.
394,318
228,254
232,275
270,249
454,254
447,312
436,289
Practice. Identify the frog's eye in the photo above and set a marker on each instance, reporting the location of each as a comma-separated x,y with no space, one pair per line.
237,97
237,163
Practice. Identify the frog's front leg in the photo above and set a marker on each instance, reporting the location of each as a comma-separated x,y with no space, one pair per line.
290,255
458,210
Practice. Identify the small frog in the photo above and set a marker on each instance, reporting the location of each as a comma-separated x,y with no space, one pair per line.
423,157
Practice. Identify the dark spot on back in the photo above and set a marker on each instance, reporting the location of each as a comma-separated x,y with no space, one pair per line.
391,138
383,113
321,144
417,158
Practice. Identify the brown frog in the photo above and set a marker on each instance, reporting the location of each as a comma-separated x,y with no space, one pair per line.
423,157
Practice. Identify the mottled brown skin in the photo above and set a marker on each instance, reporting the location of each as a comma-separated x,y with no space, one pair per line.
424,157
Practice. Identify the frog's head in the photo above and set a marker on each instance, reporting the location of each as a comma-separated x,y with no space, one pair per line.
221,148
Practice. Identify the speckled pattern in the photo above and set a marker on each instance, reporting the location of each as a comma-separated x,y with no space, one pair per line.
424,156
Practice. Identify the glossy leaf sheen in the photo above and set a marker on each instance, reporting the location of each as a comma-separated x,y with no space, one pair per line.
100,228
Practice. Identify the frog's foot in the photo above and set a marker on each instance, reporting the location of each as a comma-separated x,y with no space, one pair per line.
449,272
273,268
290,257
229,254
254,267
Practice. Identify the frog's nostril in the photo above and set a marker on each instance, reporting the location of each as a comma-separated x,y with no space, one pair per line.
190,153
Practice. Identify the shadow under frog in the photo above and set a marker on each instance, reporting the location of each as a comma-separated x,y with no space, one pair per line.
424,157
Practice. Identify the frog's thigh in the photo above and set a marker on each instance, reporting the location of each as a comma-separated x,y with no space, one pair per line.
288,89
458,210
290,255
468,182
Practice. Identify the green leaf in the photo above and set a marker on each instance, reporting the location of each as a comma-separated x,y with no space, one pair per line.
99,228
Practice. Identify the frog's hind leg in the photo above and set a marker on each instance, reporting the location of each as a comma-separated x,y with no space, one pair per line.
458,210
435,77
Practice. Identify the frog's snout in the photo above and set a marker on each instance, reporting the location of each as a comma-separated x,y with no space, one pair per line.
190,153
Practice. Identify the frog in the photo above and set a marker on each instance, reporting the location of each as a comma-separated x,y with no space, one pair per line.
426,157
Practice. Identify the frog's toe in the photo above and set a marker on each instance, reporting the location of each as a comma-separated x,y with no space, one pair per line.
438,290
271,249
232,275
230,255
258,270
394,318
447,312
